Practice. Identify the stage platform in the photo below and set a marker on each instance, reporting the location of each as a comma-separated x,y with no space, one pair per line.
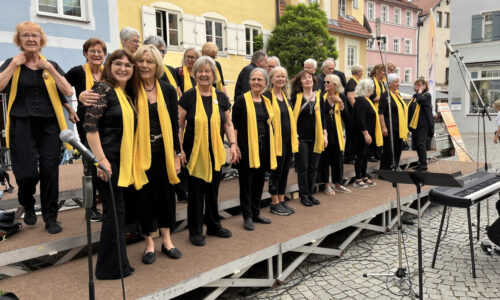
207,266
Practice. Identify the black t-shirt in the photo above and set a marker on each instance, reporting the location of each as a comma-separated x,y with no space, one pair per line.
364,116
155,127
180,79
174,75
32,99
285,117
306,122
383,109
261,117
188,103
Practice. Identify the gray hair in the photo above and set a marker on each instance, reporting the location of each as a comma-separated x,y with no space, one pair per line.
155,41
364,88
275,58
286,88
127,32
326,61
355,69
311,61
335,79
258,55
198,54
264,72
202,61
392,77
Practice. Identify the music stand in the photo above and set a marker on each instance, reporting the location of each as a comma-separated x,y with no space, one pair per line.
419,179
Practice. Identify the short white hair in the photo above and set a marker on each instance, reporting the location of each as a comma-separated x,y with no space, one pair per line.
392,77
326,61
355,69
275,58
311,61
128,32
335,79
364,88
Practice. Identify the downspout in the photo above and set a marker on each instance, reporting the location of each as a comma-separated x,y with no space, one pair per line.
278,12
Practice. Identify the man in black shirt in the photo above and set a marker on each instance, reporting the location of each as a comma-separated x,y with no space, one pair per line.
328,67
259,60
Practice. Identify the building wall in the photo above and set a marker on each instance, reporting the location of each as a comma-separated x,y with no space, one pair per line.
391,30
260,13
478,56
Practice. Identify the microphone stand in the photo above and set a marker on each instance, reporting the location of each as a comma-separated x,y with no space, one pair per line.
87,203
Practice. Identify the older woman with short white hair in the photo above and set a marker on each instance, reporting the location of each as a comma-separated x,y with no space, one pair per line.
398,118
130,38
366,130
310,65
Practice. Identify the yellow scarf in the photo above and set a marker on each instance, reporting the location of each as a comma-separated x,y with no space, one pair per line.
415,117
253,135
379,140
338,123
378,90
319,145
126,177
354,78
187,79
170,77
50,84
142,153
199,164
402,116
277,126
219,81
89,80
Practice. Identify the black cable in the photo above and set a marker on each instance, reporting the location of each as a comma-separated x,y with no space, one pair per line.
117,232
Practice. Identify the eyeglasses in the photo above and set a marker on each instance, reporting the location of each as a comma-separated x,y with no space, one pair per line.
135,42
328,82
163,51
30,35
95,51
120,65
191,57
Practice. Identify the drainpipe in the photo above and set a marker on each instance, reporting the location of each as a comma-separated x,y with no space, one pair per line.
277,12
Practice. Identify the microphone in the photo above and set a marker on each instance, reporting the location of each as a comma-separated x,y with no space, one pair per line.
68,136
448,46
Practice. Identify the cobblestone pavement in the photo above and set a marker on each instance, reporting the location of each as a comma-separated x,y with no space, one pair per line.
322,277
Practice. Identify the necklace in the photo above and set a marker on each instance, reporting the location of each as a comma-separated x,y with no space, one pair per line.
152,89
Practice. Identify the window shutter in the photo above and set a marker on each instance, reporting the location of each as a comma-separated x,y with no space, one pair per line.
232,38
188,31
495,26
201,34
148,21
241,39
477,28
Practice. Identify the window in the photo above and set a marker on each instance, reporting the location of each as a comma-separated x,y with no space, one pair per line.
351,56
167,26
487,27
313,1
398,72
370,44
408,20
215,33
408,46
355,3
396,45
446,20
62,8
342,8
250,34
397,15
488,85
439,19
407,75
384,13
370,10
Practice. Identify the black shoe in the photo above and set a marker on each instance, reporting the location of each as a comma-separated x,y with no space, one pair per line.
260,219
248,224
95,215
149,258
421,169
220,232
197,240
279,210
30,217
53,227
305,201
372,159
287,207
314,200
174,252
182,198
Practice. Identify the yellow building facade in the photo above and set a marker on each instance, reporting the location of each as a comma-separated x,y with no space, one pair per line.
232,25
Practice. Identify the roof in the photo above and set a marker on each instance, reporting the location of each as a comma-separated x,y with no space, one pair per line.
426,5
404,3
348,25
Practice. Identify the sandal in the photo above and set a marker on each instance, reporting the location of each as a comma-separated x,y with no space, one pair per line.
360,184
369,182
342,189
329,191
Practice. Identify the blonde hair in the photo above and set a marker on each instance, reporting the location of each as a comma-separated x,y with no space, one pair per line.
286,88
209,48
496,105
26,25
155,55
335,79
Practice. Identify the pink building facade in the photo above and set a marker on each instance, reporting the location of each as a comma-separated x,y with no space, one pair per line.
398,23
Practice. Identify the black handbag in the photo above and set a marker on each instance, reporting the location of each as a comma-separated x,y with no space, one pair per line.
8,225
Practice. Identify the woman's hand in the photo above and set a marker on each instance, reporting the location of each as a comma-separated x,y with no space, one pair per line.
100,173
183,158
73,117
88,98
44,64
177,164
385,132
495,139
19,59
368,139
235,154
325,140
377,99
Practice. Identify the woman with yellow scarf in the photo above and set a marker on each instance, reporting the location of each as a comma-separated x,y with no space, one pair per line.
285,133
332,158
252,119
204,117
399,116
378,77
36,90
312,135
109,125
185,73
156,146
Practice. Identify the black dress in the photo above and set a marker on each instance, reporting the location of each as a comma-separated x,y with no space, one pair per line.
105,117
364,119
386,160
349,112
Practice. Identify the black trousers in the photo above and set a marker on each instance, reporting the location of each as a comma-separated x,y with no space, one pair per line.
331,159
279,177
386,161
157,198
203,196
107,266
348,151
251,186
419,140
494,230
306,165
35,148
181,189
361,149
